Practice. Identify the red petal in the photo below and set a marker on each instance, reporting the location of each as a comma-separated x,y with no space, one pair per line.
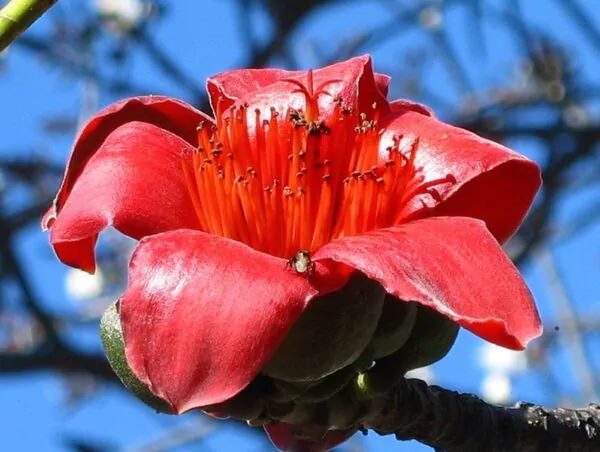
357,85
230,86
282,436
451,264
133,182
492,182
203,314
169,114
402,105
383,83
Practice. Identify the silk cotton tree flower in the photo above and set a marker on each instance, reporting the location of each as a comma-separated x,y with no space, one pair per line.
311,234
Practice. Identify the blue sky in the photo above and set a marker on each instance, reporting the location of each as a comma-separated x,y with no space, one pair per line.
204,38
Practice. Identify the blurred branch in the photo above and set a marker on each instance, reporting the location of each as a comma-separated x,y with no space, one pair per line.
566,312
13,267
180,435
61,359
17,16
167,65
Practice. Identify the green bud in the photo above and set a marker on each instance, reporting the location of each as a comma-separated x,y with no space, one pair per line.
111,334
344,413
395,326
330,386
374,382
432,338
246,405
290,390
332,333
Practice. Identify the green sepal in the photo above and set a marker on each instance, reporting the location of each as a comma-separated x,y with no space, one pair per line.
248,404
327,388
330,334
395,326
111,334
432,338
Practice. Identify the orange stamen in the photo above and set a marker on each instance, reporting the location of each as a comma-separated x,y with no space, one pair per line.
300,180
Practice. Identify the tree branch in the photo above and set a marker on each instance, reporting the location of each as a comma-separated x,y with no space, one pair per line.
64,360
449,421
17,16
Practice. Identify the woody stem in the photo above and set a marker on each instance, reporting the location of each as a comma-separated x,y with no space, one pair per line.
451,421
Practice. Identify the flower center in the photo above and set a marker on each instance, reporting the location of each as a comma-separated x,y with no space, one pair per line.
294,181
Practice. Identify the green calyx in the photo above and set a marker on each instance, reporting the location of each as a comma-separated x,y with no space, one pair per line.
395,326
432,338
331,334
111,334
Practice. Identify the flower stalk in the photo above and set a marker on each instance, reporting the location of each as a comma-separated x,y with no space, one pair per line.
17,16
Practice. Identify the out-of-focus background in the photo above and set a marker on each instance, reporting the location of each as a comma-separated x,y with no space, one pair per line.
521,72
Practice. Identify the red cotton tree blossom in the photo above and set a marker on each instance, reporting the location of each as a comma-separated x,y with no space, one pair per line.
311,233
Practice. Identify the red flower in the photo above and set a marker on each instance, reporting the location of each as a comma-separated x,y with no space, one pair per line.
319,161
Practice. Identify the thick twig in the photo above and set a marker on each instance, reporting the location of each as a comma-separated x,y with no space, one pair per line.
17,16
63,360
450,421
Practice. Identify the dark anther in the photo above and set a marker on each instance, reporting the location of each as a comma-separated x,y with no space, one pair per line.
317,128
326,177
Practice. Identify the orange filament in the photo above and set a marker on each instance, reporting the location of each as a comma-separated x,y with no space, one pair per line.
299,182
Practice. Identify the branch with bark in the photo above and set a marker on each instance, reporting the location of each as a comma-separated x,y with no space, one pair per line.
450,421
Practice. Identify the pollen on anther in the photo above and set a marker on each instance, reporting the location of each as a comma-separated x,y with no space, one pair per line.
300,177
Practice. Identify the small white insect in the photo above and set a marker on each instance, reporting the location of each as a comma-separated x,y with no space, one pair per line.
301,262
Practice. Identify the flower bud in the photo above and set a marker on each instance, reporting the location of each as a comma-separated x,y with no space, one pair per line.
395,326
330,334
432,337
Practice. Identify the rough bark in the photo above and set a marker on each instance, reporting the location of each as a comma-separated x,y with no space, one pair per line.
449,421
